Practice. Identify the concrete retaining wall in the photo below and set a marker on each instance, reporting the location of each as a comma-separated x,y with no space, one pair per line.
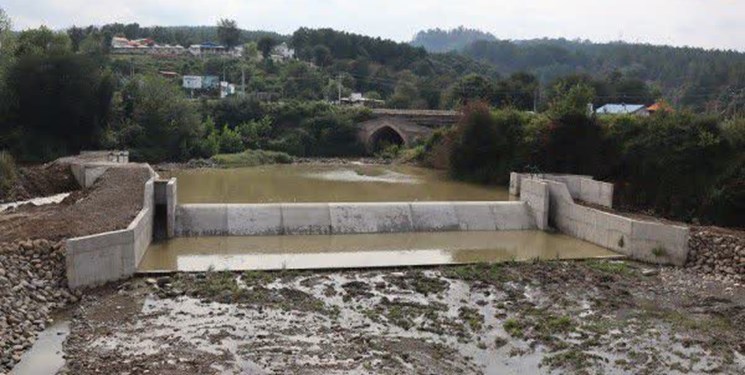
348,218
581,187
535,194
646,241
100,258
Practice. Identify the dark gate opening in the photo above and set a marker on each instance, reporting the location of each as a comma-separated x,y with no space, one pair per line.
160,222
384,138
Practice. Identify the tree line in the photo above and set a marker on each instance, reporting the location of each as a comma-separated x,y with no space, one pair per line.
674,164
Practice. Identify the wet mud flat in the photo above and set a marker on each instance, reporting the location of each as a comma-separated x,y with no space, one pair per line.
597,316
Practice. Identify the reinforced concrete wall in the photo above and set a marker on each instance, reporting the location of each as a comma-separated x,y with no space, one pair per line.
349,218
581,187
535,194
104,257
643,240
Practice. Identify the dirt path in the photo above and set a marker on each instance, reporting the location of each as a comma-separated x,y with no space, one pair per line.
566,317
110,204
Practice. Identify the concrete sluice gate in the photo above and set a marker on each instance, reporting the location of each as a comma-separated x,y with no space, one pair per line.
314,234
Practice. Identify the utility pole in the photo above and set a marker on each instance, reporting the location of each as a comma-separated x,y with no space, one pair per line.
536,93
338,84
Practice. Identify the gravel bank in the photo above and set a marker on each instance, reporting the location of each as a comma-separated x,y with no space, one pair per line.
32,286
718,252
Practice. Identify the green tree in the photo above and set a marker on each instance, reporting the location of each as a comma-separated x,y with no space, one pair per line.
322,55
76,35
230,141
251,51
228,33
162,124
572,100
406,93
42,41
265,45
486,145
61,103
472,87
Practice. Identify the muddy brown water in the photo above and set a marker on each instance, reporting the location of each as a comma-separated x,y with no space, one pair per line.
194,254
326,183
346,183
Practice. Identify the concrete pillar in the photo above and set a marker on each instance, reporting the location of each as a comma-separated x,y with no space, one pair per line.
171,202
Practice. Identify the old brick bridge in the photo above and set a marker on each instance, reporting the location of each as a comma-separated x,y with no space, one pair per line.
402,127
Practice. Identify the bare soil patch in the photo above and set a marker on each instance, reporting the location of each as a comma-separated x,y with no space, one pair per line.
110,204
41,181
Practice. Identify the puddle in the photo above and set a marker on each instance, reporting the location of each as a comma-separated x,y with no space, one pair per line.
194,254
46,355
57,198
326,183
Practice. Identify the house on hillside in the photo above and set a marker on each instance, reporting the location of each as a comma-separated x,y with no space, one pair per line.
207,49
623,109
282,52
356,99
145,46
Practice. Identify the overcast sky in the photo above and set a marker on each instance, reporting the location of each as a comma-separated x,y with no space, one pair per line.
702,23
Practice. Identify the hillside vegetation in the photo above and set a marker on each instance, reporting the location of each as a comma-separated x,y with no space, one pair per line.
700,79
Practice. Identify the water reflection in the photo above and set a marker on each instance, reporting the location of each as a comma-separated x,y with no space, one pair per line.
46,355
326,183
361,250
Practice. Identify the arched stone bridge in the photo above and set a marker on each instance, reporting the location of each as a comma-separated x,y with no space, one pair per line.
402,127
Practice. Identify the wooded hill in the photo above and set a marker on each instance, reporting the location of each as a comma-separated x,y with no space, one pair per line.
705,80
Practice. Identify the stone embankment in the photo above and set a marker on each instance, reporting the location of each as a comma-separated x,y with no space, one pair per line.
717,252
32,286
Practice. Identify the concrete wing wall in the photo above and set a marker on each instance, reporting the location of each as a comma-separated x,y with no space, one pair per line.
581,187
100,258
647,241
347,218
535,193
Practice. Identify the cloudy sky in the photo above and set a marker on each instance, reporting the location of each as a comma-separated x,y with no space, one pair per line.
701,23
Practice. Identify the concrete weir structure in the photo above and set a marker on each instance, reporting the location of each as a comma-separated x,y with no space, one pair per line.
349,218
546,201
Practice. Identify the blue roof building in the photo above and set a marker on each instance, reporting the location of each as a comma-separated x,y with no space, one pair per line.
623,109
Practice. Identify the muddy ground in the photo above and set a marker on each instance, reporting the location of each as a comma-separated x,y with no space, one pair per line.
40,181
110,204
542,317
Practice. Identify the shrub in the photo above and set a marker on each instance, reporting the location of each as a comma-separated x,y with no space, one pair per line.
437,149
8,173
670,163
486,145
255,133
230,141
572,143
250,158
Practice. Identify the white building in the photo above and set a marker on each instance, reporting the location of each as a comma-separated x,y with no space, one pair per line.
282,52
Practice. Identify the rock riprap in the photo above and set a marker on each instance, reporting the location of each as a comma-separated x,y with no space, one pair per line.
718,253
32,286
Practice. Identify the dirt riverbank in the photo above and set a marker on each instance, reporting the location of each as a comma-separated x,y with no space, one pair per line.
110,204
567,317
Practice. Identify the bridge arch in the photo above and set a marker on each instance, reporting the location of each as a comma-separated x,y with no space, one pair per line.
384,136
